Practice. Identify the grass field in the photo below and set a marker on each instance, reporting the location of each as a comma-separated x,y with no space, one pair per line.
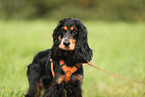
118,47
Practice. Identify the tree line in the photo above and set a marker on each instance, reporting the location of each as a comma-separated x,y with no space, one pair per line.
109,10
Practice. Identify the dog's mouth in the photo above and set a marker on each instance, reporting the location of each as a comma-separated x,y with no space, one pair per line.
67,44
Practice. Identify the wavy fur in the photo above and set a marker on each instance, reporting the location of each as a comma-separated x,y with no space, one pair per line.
39,71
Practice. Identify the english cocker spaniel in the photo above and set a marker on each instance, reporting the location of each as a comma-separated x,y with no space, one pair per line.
59,70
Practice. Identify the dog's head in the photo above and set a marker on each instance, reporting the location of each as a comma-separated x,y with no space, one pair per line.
68,33
71,35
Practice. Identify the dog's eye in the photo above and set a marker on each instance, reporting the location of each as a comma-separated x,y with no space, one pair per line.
63,31
74,32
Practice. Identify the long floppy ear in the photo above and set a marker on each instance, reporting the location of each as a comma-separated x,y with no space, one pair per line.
55,53
84,51
56,33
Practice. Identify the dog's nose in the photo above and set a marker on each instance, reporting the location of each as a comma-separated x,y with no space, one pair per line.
66,44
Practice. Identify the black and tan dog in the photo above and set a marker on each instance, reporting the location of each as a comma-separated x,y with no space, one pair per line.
59,70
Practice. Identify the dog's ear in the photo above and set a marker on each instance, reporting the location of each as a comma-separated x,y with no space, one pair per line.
82,33
55,53
56,33
82,42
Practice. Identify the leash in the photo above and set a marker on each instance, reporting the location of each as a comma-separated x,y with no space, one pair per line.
116,75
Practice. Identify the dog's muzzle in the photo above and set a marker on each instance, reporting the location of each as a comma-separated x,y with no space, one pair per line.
66,42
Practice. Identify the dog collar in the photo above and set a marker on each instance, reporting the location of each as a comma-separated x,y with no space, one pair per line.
68,70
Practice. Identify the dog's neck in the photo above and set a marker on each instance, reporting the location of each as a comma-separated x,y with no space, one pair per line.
69,58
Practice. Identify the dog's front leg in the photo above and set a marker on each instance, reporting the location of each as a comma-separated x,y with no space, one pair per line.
33,77
57,88
74,86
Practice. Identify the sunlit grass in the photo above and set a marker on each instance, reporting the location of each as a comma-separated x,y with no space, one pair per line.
118,48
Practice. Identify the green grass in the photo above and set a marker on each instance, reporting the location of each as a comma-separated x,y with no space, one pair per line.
118,47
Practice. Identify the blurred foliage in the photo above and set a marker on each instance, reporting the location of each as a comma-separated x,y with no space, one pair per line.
110,10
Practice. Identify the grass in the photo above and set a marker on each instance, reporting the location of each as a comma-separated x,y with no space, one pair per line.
118,47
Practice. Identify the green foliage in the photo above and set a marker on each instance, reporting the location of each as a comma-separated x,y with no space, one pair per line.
118,48
112,10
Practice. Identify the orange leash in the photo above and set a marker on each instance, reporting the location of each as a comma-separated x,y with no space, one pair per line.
116,75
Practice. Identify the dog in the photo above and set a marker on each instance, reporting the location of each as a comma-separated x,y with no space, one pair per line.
59,71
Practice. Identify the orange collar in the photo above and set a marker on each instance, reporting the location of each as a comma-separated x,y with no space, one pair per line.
68,70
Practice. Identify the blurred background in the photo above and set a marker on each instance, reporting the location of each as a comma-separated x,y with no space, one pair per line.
112,10
116,34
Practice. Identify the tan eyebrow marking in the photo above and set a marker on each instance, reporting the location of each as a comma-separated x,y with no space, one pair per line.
71,28
65,28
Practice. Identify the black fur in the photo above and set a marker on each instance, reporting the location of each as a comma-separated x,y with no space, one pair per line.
39,71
